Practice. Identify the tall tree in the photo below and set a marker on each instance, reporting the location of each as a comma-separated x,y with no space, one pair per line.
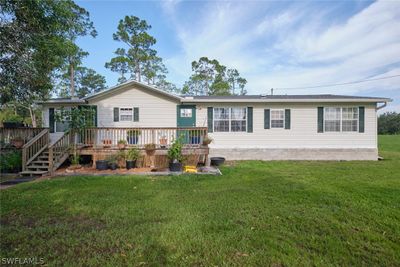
212,78
87,81
132,31
35,38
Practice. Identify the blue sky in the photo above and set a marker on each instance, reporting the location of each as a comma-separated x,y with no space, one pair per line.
272,44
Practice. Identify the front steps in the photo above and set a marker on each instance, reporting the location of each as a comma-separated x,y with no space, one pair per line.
40,165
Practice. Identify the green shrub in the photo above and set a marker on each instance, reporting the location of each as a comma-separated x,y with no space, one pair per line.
11,161
175,151
133,154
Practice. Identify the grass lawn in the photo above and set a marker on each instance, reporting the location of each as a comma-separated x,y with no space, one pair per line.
257,213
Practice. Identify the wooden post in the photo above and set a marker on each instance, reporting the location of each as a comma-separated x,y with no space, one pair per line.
23,159
51,162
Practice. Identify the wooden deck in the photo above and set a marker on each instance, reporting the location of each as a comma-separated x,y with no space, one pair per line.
41,156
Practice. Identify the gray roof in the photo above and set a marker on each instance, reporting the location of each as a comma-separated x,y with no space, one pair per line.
63,101
285,98
294,97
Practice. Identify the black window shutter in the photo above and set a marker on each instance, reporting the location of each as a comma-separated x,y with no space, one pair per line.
267,115
287,118
320,119
250,119
135,114
116,114
51,119
361,119
210,119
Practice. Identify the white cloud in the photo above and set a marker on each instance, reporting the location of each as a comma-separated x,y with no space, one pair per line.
291,48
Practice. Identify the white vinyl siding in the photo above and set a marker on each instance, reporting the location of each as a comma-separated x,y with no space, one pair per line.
155,110
303,128
230,119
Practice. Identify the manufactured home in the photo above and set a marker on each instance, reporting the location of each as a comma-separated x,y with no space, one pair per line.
249,127
263,127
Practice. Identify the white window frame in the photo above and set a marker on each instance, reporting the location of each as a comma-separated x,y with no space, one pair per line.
284,119
186,115
119,113
341,120
357,119
230,120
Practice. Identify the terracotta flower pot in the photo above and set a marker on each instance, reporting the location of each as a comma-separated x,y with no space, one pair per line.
18,143
121,146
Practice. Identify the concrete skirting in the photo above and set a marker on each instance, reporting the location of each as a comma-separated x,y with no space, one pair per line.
295,153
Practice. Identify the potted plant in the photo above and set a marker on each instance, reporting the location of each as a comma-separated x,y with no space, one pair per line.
101,165
163,141
132,136
150,149
107,142
121,156
175,156
122,144
18,142
74,163
207,140
112,162
131,157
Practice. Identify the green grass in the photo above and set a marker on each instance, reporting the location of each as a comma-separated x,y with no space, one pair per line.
257,213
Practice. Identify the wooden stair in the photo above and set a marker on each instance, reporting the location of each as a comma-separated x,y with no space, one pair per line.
45,158
40,165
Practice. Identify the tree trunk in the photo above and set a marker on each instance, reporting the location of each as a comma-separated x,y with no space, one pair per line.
138,72
72,80
33,117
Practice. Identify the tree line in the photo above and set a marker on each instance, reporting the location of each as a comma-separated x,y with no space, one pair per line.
389,123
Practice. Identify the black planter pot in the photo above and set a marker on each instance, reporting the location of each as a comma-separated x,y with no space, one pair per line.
130,164
217,161
113,166
175,166
101,165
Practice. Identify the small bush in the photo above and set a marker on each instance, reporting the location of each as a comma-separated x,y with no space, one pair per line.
11,161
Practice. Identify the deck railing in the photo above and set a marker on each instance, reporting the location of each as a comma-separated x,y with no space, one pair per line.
161,137
34,147
59,151
8,134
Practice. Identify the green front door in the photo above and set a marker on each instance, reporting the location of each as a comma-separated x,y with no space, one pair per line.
186,116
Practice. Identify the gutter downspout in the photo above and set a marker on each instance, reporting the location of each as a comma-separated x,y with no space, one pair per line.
384,105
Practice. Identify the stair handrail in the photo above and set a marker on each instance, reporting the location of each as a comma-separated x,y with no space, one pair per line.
58,149
34,147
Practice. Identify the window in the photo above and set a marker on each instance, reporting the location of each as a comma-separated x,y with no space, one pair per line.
230,119
61,126
341,119
332,119
186,112
221,119
126,114
277,118
349,119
